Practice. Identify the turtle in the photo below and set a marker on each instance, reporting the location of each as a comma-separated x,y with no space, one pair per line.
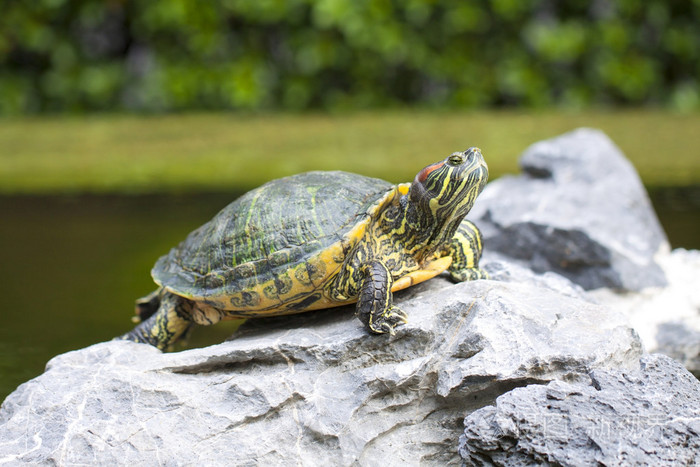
318,240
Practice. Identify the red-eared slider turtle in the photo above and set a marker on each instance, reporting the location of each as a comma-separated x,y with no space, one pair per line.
319,240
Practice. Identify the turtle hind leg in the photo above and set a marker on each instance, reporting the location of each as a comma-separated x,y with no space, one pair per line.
375,306
164,326
148,305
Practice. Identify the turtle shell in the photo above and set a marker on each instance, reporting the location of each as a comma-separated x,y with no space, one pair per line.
275,245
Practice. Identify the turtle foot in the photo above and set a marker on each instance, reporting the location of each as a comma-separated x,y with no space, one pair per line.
388,321
470,274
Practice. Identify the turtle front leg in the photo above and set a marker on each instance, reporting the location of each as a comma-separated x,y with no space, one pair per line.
375,306
465,249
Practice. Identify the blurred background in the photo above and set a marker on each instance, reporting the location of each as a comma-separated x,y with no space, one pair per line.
125,124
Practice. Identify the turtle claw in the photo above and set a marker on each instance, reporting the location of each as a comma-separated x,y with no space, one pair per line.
388,321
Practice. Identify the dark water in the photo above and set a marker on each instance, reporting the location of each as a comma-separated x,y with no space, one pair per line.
71,267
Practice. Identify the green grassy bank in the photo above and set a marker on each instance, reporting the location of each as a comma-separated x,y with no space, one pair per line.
203,152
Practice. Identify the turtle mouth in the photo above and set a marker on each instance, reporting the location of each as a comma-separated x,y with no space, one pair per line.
474,160
469,179
474,174
443,193
475,179
452,183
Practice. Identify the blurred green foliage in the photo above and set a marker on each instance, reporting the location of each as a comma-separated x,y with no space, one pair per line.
161,55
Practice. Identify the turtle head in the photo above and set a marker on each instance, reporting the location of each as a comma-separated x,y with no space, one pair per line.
444,192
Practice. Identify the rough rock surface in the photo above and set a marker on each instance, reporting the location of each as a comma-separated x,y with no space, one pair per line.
315,388
578,209
649,416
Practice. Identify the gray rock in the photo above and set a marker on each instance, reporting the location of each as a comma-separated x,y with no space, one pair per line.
315,388
578,209
679,341
502,270
649,416
666,318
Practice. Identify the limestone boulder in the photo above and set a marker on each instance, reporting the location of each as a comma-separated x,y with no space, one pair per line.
315,388
579,209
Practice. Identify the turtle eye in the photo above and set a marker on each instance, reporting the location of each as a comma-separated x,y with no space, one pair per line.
455,159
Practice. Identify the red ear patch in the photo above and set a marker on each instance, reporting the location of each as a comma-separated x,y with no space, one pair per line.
423,174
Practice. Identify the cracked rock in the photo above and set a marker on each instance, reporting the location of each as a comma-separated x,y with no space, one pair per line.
314,388
646,416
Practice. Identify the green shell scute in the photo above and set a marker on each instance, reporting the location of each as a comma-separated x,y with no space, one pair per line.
266,232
